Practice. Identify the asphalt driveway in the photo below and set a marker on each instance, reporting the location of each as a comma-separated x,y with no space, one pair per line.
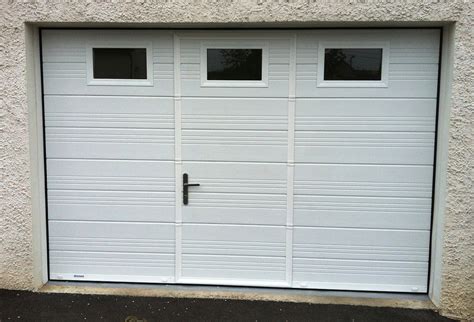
30,306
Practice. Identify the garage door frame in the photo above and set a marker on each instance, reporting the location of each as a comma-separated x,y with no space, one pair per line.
41,137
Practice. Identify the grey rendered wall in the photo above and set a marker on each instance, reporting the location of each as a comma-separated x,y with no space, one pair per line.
20,245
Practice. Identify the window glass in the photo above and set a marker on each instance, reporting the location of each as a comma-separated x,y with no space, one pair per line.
353,64
119,63
234,64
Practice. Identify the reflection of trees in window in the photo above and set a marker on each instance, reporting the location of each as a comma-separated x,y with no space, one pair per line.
119,63
353,64
234,64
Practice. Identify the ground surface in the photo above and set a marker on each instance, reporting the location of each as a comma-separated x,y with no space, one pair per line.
29,306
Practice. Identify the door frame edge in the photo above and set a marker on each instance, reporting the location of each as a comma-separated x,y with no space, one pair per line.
35,99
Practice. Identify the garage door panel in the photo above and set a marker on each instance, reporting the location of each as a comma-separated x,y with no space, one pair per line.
376,242
111,205
380,115
234,114
209,129
250,177
277,66
362,212
65,63
227,208
364,147
237,211
61,210
120,232
250,235
111,251
233,145
109,112
413,59
111,175
363,180
128,247
232,270
109,143
111,190
366,259
362,196
236,193
360,275
229,252
111,267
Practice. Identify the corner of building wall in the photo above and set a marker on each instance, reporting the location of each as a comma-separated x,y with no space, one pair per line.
440,188
35,126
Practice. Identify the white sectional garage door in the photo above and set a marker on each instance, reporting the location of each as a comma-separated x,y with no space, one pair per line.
313,151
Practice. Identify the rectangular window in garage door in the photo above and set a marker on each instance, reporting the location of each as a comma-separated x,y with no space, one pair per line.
119,63
353,64
227,65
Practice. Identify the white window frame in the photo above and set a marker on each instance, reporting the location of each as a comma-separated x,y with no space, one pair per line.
205,45
383,82
119,82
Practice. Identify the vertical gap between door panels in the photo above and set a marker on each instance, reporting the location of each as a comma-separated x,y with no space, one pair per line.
291,160
178,161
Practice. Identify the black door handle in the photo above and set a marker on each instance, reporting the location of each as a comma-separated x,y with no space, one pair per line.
186,185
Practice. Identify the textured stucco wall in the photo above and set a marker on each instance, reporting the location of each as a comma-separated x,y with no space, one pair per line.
16,237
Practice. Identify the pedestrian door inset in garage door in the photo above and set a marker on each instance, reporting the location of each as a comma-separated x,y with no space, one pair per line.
261,158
